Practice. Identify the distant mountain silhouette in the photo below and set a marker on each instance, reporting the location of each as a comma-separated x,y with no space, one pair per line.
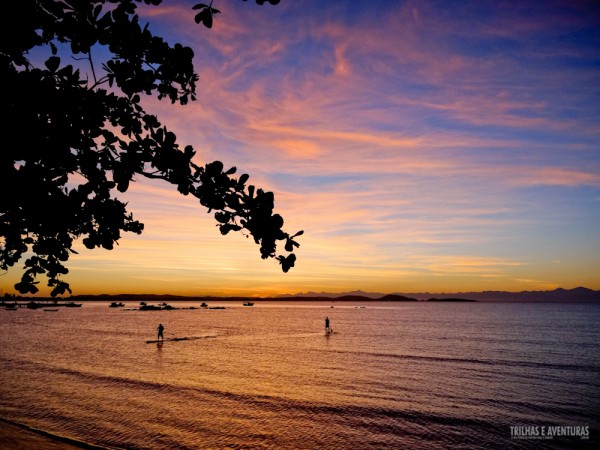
350,298
580,294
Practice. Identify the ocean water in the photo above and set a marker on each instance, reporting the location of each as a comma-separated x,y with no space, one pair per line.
392,375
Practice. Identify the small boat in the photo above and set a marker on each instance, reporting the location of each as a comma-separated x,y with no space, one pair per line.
11,308
248,304
116,304
51,309
204,305
73,305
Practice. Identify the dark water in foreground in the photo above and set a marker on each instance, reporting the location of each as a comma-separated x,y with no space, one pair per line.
398,375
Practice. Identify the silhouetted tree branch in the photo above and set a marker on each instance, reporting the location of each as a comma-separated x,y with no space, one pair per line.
70,144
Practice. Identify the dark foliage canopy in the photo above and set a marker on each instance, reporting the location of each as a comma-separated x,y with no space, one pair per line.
72,140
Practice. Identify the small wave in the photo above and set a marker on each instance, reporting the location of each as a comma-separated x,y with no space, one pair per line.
54,436
478,361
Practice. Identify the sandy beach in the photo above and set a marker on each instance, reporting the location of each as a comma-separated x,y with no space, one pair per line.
13,437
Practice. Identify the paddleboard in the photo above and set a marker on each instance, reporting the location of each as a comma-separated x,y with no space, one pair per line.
171,339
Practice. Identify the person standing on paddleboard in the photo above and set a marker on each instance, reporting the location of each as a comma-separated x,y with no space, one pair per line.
160,330
327,329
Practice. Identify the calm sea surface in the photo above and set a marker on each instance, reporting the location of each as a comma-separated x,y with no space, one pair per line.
392,375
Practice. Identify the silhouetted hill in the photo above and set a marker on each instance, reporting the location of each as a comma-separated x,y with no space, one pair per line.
396,298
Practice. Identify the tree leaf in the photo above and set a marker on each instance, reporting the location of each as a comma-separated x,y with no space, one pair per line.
207,19
52,63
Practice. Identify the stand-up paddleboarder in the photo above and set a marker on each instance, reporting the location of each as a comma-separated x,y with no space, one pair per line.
160,330
327,327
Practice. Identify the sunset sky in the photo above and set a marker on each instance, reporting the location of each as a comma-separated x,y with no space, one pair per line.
421,145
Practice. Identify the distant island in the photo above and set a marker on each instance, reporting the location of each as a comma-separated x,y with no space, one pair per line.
579,294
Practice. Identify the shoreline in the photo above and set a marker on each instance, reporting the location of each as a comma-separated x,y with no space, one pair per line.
17,436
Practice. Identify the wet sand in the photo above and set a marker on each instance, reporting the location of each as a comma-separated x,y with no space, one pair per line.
21,437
